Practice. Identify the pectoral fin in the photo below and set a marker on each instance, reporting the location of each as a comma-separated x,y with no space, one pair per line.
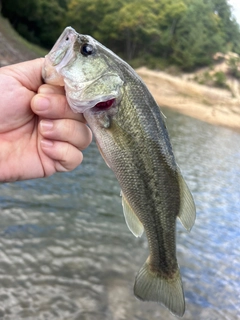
132,221
102,154
187,212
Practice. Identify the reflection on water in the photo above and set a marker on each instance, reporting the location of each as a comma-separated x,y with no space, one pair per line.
66,252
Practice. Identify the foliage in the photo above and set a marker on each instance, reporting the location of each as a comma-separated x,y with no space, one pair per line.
39,21
234,67
182,32
229,29
197,36
220,80
214,79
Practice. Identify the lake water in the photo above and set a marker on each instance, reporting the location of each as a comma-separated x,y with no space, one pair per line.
66,252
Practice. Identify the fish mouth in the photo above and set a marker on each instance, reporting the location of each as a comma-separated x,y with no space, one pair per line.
62,52
59,56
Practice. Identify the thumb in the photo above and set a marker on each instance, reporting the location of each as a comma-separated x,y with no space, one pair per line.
29,73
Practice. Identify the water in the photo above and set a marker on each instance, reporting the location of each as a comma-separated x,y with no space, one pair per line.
66,252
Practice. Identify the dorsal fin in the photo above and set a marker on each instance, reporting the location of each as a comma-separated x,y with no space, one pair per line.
132,221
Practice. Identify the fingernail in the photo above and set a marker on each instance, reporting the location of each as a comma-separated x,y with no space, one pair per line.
46,125
46,143
42,103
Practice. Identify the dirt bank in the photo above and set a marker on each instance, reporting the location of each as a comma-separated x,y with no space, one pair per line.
208,104
13,48
216,106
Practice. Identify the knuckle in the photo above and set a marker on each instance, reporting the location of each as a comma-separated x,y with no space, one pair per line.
65,151
70,128
69,157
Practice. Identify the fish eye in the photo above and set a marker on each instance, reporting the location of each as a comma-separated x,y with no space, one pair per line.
86,49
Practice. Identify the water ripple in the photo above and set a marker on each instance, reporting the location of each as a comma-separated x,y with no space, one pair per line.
66,252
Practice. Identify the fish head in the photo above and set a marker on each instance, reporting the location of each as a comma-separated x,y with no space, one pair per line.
86,68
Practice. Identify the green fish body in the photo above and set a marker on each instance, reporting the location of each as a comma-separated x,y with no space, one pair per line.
132,138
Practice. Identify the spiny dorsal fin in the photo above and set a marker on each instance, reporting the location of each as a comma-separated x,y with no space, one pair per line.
132,221
187,212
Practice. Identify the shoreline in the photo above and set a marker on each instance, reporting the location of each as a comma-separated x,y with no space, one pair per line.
212,105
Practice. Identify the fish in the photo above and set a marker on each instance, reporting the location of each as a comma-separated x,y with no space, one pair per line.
132,137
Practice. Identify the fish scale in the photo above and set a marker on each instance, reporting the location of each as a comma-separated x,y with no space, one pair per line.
132,138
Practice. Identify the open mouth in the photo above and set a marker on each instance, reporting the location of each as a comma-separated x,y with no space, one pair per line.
103,105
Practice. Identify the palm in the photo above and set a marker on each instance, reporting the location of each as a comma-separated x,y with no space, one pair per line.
18,132
21,154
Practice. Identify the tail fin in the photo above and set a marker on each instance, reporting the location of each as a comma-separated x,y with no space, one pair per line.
150,287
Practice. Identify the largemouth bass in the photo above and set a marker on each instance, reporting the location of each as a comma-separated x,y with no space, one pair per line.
133,140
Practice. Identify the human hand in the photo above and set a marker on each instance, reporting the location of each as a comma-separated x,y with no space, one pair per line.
39,134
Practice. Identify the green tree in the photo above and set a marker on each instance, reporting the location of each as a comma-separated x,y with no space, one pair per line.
169,14
228,25
183,32
50,21
39,21
120,24
135,27
197,36
86,16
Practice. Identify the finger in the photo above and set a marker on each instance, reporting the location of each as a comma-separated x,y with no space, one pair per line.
49,89
66,157
54,106
68,130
